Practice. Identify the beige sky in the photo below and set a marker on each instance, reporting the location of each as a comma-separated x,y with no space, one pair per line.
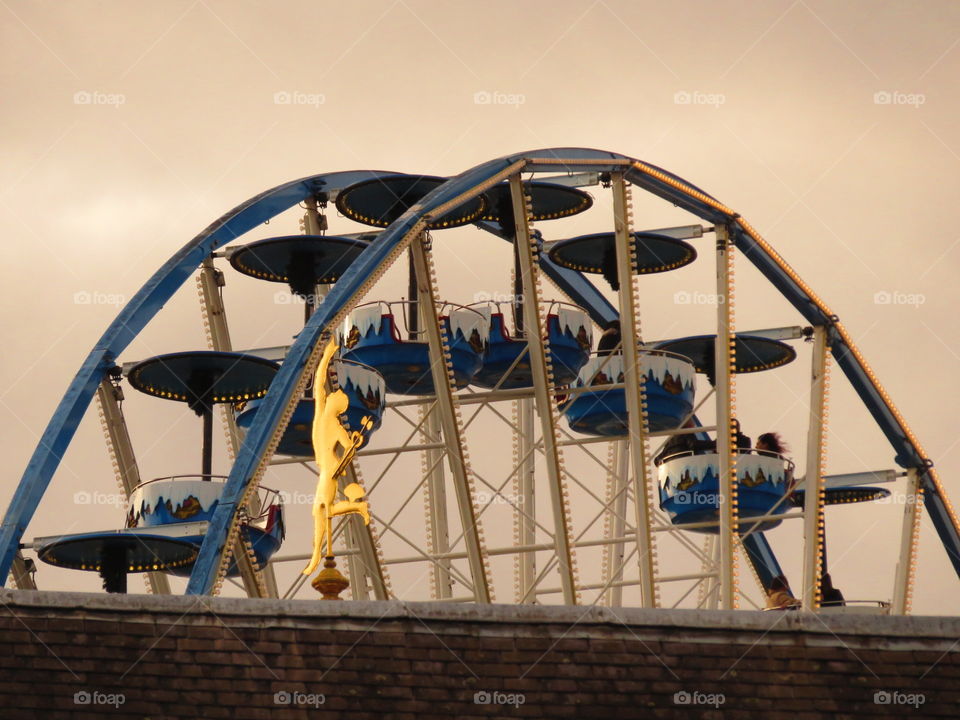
834,128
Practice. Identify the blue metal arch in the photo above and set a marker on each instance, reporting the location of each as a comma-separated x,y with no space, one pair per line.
128,324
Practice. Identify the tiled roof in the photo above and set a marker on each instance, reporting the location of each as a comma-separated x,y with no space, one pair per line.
105,656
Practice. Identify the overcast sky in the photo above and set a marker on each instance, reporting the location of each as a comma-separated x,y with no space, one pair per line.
834,128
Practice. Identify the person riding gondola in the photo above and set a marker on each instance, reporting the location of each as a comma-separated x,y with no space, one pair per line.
610,339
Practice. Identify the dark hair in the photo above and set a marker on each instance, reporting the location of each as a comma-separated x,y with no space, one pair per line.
779,583
773,443
613,325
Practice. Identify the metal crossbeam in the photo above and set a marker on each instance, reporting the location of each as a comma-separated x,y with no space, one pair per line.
813,497
542,385
125,462
455,450
633,379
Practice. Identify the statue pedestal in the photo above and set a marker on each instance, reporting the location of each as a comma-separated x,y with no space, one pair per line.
330,582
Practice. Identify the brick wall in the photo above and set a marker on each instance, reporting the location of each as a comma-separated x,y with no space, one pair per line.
99,656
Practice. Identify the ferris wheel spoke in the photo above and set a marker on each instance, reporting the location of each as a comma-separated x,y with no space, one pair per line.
120,449
450,421
634,381
540,365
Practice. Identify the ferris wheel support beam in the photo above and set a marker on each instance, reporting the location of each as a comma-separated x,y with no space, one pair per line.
727,468
209,282
22,573
903,579
436,499
449,423
543,384
616,526
526,533
633,379
125,461
814,482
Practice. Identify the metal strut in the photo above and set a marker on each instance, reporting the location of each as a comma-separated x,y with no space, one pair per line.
541,368
814,483
634,378
724,364
257,581
124,461
450,420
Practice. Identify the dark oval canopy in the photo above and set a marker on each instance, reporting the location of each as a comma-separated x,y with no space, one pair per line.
141,552
753,353
548,201
204,377
594,253
380,201
320,258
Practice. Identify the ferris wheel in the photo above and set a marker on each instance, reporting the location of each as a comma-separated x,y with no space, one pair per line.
534,446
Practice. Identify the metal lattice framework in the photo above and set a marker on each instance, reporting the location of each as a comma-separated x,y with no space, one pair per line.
546,457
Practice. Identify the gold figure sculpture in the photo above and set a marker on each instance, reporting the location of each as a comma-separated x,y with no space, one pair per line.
329,436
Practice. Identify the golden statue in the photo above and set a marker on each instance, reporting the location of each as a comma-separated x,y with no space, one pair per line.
328,436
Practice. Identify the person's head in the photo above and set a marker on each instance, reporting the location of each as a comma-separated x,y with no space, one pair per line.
613,325
771,442
826,583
